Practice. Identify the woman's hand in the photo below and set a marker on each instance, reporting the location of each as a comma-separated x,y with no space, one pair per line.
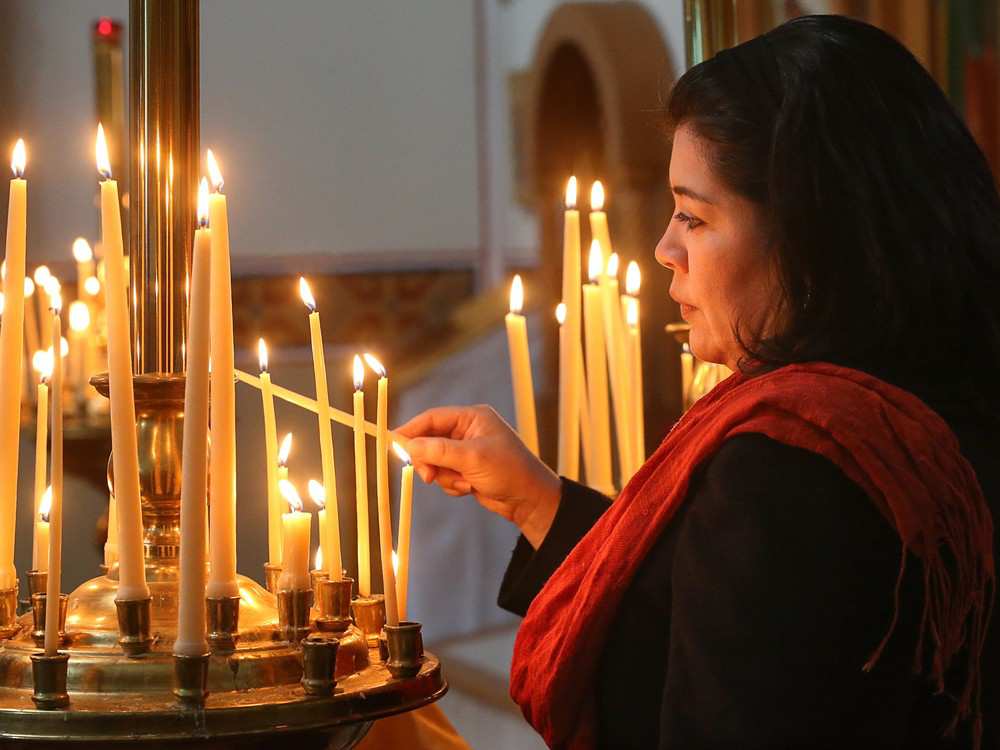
471,449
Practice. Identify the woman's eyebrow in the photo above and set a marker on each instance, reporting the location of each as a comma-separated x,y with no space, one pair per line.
688,192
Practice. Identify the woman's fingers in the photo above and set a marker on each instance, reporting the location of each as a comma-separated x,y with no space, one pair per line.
442,421
442,452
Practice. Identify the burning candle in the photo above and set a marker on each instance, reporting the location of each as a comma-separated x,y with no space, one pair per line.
633,280
599,221
79,322
194,472
53,584
30,317
597,376
361,481
84,257
570,373
274,501
295,542
382,480
318,495
111,545
42,275
334,560
40,553
614,336
405,523
124,451
520,367
284,451
11,362
687,374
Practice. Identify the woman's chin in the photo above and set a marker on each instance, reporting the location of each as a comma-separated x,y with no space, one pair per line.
704,350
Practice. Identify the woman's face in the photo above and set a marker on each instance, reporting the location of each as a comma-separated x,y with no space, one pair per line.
715,246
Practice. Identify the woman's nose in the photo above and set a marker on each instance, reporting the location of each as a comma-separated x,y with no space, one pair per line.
670,252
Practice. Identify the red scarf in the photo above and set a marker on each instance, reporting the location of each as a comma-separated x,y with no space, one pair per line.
883,438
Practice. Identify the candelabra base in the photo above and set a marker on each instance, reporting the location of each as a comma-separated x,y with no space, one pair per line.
334,605
191,679
369,615
293,613
223,614
133,625
319,661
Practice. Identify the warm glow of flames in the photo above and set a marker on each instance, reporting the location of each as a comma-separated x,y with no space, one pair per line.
291,495
203,203
262,354
597,196
376,366
45,504
285,449
41,276
633,278
358,373
595,263
92,286
632,314
214,173
103,160
82,251
612,269
79,316
317,493
516,294
306,294
401,452
41,362
29,287
318,560
64,346
561,313
3,301
19,158
685,348
395,563
55,300
52,286
571,192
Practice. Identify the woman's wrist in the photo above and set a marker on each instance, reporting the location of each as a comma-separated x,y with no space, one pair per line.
539,510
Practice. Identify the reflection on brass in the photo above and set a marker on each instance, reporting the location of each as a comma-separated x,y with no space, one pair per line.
37,581
49,680
272,572
8,612
38,614
223,616
406,649
369,615
133,625
334,605
319,659
293,614
191,678
315,576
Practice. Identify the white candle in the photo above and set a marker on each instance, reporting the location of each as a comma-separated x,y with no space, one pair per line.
570,372
111,545
274,501
520,367
382,478
615,338
40,551
79,322
687,375
84,257
53,584
11,362
40,554
191,639
633,280
296,527
222,471
30,318
361,481
597,377
42,276
334,562
405,523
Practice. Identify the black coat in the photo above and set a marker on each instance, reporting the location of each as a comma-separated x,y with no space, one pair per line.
748,623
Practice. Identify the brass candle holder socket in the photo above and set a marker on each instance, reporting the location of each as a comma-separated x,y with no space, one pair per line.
315,576
8,612
133,626
38,580
39,611
369,615
406,649
334,605
191,678
383,647
293,613
49,675
223,615
319,663
272,572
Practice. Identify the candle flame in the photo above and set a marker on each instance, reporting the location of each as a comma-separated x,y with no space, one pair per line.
29,286
214,173
395,563
632,314
571,193
561,313
291,495
612,269
63,346
92,286
103,160
285,449
595,264
19,159
318,560
633,278
685,348
52,286
516,294
262,355
401,452
359,373
79,316
306,294
45,504
376,366
41,362
317,493
41,275
597,196
82,251
203,204
55,301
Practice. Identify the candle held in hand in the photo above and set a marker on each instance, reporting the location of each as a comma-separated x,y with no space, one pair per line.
405,522
520,367
570,354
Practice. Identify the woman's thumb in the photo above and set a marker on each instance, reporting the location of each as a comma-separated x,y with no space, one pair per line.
439,451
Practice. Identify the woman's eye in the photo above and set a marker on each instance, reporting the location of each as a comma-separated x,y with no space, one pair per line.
691,221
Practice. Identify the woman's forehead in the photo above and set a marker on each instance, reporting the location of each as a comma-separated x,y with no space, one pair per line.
690,173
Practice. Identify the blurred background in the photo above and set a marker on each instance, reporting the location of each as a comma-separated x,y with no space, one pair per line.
409,158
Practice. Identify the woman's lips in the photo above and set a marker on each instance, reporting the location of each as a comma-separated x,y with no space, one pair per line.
686,310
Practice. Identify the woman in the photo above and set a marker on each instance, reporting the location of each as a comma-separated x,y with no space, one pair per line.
807,559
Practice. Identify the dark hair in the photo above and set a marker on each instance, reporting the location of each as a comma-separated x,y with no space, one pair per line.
882,209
